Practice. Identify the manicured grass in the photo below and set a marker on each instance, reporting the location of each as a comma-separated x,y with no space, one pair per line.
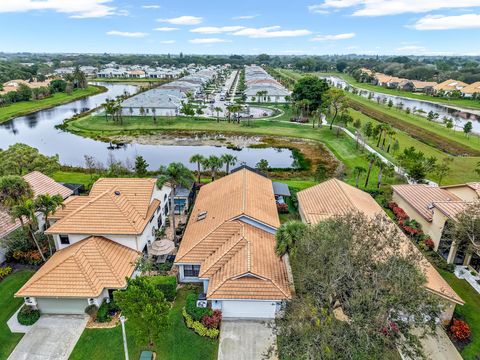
342,146
178,342
27,107
470,312
72,177
462,168
465,103
8,306
298,184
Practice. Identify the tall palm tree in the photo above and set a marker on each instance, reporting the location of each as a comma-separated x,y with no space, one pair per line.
213,163
46,204
175,174
26,210
218,110
228,160
379,162
372,158
198,159
358,171
13,190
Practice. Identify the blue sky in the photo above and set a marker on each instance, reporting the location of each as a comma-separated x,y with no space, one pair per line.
418,27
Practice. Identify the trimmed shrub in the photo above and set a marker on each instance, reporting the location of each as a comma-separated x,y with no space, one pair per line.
103,313
28,315
92,311
4,271
460,330
167,285
198,327
193,310
212,322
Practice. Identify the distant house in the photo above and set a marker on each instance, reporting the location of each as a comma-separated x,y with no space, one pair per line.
472,90
98,239
434,208
153,102
111,73
417,86
13,85
334,197
449,85
41,184
229,247
137,74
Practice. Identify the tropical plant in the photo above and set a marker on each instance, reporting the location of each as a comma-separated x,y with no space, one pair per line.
199,160
287,235
174,175
217,110
141,166
47,204
228,160
262,165
213,163
358,171
372,159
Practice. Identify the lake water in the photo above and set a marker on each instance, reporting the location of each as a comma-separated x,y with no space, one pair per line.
460,117
38,130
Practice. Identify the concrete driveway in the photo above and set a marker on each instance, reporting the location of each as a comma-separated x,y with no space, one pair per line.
246,340
52,337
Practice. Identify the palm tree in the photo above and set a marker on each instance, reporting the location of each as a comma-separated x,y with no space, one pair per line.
27,210
359,170
13,190
218,110
286,236
228,160
46,205
198,159
175,174
213,163
379,162
372,158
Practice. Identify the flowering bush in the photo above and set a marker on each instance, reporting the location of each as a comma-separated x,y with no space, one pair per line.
213,321
460,330
429,243
198,327
282,208
390,330
31,257
4,271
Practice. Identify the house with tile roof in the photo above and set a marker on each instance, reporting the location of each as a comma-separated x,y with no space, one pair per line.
472,90
450,85
434,208
98,238
334,197
229,246
41,184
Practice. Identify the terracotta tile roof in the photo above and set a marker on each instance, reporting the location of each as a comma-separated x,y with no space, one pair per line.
114,206
475,186
238,258
450,84
83,269
333,196
451,208
423,84
472,88
350,199
422,197
42,184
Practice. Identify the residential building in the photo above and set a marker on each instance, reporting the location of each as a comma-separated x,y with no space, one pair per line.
229,246
434,208
334,197
262,87
13,85
41,185
472,90
98,239
137,74
449,85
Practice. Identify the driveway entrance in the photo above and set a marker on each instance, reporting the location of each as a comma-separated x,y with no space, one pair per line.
52,337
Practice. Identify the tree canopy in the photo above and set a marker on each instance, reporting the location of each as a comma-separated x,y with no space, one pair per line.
20,159
312,89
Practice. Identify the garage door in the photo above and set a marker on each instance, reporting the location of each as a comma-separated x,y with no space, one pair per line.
62,306
248,309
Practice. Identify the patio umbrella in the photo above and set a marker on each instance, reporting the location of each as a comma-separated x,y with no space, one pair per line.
162,247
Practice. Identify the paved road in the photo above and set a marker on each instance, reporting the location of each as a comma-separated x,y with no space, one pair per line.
246,340
52,337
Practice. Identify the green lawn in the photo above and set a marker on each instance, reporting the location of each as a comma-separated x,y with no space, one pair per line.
462,168
470,312
179,342
72,177
465,103
343,147
27,107
8,306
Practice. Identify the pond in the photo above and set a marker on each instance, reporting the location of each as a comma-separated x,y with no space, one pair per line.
38,130
459,116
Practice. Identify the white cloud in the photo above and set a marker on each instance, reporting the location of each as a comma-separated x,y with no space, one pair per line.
75,8
270,32
151,6
333,37
183,20
411,49
442,22
216,29
165,29
167,42
392,7
127,34
207,41
245,17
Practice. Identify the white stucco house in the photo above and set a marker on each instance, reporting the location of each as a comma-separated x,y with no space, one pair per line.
229,247
98,238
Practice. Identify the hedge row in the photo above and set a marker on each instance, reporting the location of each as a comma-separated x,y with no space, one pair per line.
198,327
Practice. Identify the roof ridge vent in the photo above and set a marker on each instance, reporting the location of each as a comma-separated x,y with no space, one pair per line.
201,216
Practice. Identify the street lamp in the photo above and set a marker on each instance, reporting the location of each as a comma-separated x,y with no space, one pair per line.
125,347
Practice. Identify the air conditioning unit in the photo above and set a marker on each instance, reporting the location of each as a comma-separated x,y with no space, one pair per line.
91,301
202,303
